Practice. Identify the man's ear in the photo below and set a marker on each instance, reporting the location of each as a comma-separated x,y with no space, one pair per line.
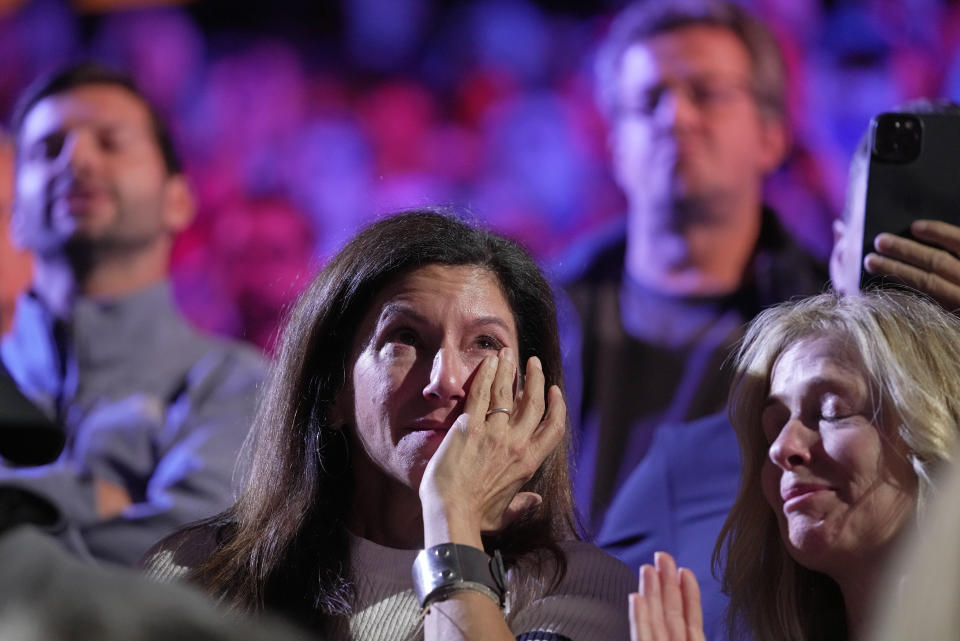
179,203
775,141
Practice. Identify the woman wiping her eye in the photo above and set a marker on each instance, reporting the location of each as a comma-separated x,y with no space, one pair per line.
406,480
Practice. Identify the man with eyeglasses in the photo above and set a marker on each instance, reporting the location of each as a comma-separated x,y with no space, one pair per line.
694,92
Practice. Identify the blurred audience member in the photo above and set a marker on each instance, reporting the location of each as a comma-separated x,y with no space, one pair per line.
162,48
14,263
923,590
265,248
494,27
383,34
155,412
45,595
534,182
330,175
252,101
694,94
199,284
852,59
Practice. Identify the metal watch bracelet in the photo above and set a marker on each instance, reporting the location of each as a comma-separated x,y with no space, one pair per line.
442,570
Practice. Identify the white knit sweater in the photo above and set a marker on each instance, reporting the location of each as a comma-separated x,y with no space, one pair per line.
589,603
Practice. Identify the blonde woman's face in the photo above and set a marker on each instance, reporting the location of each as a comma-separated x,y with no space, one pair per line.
839,482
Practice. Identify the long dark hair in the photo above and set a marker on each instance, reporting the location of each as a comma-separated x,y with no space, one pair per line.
284,544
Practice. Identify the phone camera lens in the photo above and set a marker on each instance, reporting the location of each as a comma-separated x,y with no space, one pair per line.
896,137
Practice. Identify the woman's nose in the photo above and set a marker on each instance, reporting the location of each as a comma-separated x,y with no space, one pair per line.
448,376
792,446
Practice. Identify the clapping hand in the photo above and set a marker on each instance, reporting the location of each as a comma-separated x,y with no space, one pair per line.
667,608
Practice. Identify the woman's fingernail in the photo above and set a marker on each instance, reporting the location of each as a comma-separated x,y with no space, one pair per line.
506,354
647,577
535,361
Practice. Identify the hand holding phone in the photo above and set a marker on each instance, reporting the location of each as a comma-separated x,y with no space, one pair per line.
930,266
911,221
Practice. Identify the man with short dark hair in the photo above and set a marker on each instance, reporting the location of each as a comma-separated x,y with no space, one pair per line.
155,412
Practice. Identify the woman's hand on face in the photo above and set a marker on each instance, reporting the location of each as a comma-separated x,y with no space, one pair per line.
667,608
471,485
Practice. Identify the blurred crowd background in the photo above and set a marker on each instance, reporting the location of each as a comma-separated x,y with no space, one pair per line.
300,121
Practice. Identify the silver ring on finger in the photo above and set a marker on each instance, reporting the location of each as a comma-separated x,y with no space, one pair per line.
499,410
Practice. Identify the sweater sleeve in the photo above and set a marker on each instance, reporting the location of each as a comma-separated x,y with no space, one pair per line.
196,450
590,602
176,461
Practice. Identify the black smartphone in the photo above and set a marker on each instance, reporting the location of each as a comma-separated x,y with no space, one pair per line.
914,172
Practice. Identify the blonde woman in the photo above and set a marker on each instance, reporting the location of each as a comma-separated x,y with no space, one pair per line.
844,407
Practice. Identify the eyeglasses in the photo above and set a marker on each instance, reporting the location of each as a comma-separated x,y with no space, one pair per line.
706,94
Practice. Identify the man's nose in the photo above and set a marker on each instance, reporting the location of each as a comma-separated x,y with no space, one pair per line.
448,376
676,108
80,151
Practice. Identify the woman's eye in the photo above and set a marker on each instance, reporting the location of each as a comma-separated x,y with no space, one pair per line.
405,336
833,417
489,342
833,412
772,420
771,429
